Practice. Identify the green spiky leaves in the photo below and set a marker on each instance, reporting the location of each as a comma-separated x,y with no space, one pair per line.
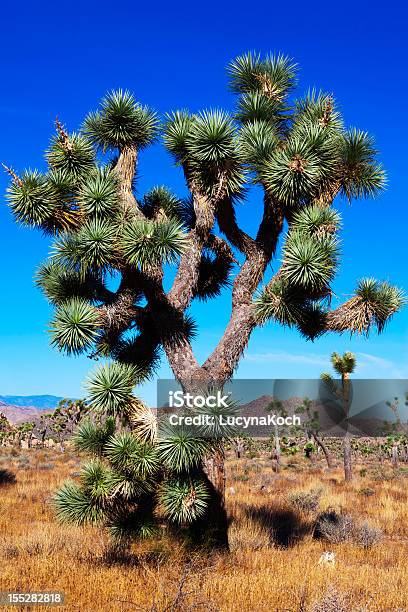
71,154
92,249
299,171
145,242
179,447
98,195
176,132
309,263
32,198
317,109
361,174
121,122
184,501
110,388
258,140
92,438
274,76
317,221
96,244
161,201
255,106
211,138
126,454
74,326
374,304
280,302
73,504
343,364
310,257
206,145
60,284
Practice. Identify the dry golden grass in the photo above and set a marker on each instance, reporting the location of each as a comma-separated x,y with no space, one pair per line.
272,566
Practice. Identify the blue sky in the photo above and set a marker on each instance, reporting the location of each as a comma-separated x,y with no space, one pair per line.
60,58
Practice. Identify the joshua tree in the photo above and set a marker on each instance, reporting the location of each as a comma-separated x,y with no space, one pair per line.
278,408
25,432
311,423
44,426
344,365
6,429
58,427
300,156
70,411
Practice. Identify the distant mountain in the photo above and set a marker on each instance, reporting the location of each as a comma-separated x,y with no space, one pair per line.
19,414
38,401
20,408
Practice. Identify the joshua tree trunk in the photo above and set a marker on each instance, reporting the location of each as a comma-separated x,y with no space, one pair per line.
239,448
277,450
348,472
212,530
326,452
394,455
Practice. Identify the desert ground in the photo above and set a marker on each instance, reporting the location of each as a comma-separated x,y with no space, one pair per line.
275,562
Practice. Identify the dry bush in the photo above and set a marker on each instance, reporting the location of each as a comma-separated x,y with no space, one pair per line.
306,501
367,535
367,491
246,534
336,528
45,466
332,601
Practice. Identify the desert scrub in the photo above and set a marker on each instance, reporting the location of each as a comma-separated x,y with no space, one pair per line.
306,501
332,601
336,528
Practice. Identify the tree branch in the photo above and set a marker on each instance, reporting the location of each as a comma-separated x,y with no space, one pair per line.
221,364
125,168
185,282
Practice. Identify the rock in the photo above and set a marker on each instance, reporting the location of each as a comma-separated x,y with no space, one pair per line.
327,558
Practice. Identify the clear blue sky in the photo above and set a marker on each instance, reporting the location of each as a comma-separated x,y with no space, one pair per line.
60,58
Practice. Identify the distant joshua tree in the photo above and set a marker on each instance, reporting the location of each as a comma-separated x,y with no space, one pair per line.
7,430
44,426
71,412
344,365
311,423
301,157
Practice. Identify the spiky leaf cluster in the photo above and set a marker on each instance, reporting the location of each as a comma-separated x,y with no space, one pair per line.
110,388
32,199
74,326
71,154
98,195
121,122
145,242
206,146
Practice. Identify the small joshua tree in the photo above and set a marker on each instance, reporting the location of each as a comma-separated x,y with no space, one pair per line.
71,412
300,155
277,407
44,426
311,424
344,365
26,430
6,429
